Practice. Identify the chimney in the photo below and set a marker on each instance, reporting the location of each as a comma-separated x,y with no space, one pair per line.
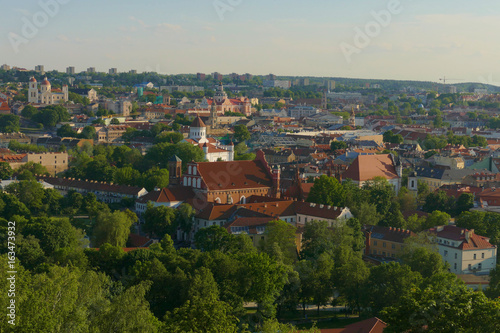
367,243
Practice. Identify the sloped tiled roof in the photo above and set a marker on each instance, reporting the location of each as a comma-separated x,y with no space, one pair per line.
234,175
366,167
474,242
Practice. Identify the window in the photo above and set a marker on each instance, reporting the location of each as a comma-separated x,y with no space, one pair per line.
474,256
375,243
479,266
383,244
445,253
456,255
393,246
470,267
189,170
455,266
482,255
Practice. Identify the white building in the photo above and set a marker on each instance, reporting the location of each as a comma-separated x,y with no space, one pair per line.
45,95
213,149
300,111
466,252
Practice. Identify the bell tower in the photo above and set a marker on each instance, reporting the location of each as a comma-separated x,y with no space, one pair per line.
174,170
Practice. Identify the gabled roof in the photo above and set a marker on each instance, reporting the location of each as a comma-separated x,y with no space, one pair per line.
467,239
367,167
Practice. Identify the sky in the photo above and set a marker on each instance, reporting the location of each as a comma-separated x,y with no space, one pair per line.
390,39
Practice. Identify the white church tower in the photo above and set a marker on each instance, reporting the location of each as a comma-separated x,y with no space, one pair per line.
45,92
198,131
33,91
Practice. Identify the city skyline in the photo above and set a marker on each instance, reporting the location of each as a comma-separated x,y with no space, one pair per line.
395,39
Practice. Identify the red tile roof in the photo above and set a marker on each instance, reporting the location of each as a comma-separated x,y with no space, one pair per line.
367,167
473,242
234,175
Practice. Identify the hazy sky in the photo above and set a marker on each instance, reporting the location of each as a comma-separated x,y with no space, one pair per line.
419,40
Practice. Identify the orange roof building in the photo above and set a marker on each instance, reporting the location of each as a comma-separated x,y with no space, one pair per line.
367,167
464,250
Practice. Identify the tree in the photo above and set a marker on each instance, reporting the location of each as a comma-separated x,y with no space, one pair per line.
213,238
155,178
435,308
33,168
282,234
439,201
115,121
5,170
349,281
316,239
31,193
66,131
184,216
366,213
112,228
390,137
9,123
203,311
159,220
54,234
88,132
327,191
464,203
387,284
336,145
129,312
380,193
493,290
241,133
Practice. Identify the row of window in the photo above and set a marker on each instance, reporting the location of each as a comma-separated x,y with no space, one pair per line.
456,255
393,246
382,253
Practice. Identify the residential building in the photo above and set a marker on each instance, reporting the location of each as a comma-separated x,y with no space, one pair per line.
111,133
46,95
91,94
386,242
169,197
464,250
279,156
300,111
53,162
91,70
367,167
40,69
435,178
121,107
70,70
6,138
283,84
113,71
105,192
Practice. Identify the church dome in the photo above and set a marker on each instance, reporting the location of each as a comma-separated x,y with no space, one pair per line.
45,82
32,79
